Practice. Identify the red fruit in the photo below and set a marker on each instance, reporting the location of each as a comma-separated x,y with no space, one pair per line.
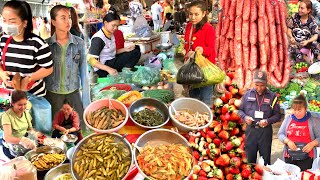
245,173
228,95
225,109
234,170
231,75
228,146
211,134
236,162
224,134
234,116
202,173
196,154
235,141
232,153
222,117
227,117
223,160
233,90
215,152
218,128
203,134
255,176
258,169
241,92
217,141
224,99
214,124
202,178
229,176
228,125
234,131
231,101
246,166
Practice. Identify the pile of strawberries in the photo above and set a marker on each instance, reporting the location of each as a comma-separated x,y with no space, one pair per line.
219,149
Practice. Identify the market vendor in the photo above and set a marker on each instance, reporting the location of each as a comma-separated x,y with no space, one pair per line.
259,109
303,33
66,121
22,51
200,37
69,79
104,56
300,129
19,136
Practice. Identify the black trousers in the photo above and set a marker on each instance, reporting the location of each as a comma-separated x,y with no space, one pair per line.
126,59
258,139
302,164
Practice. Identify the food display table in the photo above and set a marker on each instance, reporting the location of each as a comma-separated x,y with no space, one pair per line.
146,44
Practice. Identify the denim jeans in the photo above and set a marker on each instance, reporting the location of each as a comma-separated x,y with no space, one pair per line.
203,94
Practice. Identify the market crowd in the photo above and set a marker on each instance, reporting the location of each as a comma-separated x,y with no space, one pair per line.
54,65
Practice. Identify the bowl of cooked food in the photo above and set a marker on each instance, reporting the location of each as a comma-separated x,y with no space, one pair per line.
61,172
189,114
149,113
164,155
102,156
46,157
105,115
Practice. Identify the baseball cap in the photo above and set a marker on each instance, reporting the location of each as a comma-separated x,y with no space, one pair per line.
260,76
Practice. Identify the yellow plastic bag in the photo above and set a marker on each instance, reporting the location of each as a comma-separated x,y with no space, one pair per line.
212,73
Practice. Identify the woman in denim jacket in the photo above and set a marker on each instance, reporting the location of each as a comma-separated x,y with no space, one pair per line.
70,72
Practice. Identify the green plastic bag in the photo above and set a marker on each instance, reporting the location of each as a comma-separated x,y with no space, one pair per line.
212,73
146,76
111,94
170,66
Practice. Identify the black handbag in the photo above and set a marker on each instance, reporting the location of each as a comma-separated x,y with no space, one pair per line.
298,154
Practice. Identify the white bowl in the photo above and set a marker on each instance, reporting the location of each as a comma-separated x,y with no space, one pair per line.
105,102
189,104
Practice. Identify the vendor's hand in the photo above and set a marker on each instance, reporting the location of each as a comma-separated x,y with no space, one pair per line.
24,84
263,123
292,40
292,145
129,48
63,129
249,120
112,71
304,43
4,75
27,143
199,50
190,54
66,132
307,148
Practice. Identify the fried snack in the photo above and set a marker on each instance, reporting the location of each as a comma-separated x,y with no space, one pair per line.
47,161
192,119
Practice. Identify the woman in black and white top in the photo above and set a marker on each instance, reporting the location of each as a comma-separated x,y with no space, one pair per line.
22,51
103,55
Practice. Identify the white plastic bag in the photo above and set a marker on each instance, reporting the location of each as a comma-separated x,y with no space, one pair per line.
316,164
141,27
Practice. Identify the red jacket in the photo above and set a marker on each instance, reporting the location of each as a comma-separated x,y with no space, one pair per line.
59,118
204,37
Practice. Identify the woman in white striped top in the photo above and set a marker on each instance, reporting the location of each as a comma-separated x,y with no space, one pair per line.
22,51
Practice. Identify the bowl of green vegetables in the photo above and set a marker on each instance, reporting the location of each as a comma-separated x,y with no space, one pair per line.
149,113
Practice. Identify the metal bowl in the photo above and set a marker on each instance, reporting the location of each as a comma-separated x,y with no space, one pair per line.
44,150
141,104
159,136
164,46
69,138
57,171
117,138
189,104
